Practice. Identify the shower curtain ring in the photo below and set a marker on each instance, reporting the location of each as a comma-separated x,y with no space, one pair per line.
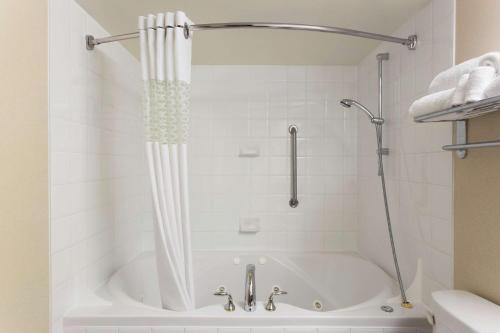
186,30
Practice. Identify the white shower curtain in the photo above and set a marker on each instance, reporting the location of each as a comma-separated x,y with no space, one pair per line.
166,72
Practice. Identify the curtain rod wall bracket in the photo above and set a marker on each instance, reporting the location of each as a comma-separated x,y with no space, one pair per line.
187,32
412,42
90,42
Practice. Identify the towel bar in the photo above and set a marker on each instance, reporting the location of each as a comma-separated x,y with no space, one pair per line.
461,145
485,144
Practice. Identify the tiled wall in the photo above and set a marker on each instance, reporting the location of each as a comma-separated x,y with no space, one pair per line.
248,108
99,184
419,173
99,193
244,330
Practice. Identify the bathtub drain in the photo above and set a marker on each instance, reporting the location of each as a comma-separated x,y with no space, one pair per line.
387,308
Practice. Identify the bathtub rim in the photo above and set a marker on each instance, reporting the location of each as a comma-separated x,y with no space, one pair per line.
386,293
216,316
100,311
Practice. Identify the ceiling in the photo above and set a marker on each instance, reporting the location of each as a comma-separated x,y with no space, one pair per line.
266,46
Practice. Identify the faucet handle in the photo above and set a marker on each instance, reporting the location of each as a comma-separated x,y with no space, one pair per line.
229,306
270,306
221,291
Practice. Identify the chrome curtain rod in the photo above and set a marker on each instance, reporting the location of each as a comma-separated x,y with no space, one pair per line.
410,42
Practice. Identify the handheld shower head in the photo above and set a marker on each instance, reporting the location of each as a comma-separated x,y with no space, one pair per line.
347,103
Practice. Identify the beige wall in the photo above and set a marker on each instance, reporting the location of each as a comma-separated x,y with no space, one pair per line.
24,269
477,178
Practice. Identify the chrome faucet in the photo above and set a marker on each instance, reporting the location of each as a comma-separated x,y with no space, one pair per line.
250,297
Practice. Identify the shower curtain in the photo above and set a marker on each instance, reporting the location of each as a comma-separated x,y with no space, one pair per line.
166,72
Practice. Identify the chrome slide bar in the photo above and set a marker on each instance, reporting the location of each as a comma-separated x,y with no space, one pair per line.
410,41
292,129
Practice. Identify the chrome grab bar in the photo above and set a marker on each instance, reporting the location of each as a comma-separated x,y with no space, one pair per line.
292,129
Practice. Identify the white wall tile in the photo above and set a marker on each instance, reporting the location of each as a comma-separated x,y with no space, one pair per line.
167,330
334,330
442,235
235,330
102,330
268,330
301,330
72,329
201,330
97,164
134,330
418,173
259,186
274,329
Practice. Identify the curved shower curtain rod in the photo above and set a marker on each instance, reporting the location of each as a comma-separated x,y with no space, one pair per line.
410,42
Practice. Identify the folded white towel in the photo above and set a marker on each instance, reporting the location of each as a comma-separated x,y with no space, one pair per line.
449,78
493,88
458,97
491,59
433,102
479,79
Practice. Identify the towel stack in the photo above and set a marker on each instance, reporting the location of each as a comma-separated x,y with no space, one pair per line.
468,82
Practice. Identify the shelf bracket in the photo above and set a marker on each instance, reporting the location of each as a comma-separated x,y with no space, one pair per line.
461,137
461,146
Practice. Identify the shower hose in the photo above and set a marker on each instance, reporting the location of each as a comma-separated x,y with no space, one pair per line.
404,300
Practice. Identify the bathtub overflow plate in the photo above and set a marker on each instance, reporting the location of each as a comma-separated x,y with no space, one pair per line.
387,308
318,305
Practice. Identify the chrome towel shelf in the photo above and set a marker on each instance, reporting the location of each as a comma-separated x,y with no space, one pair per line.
462,112
459,115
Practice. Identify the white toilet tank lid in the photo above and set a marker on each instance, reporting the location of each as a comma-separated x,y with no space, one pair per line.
464,312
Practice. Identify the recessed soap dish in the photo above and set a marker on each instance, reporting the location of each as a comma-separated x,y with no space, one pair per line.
249,225
249,150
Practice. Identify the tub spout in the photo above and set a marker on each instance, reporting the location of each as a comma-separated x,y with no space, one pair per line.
250,297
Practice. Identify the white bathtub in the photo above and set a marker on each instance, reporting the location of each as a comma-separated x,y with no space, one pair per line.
349,288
